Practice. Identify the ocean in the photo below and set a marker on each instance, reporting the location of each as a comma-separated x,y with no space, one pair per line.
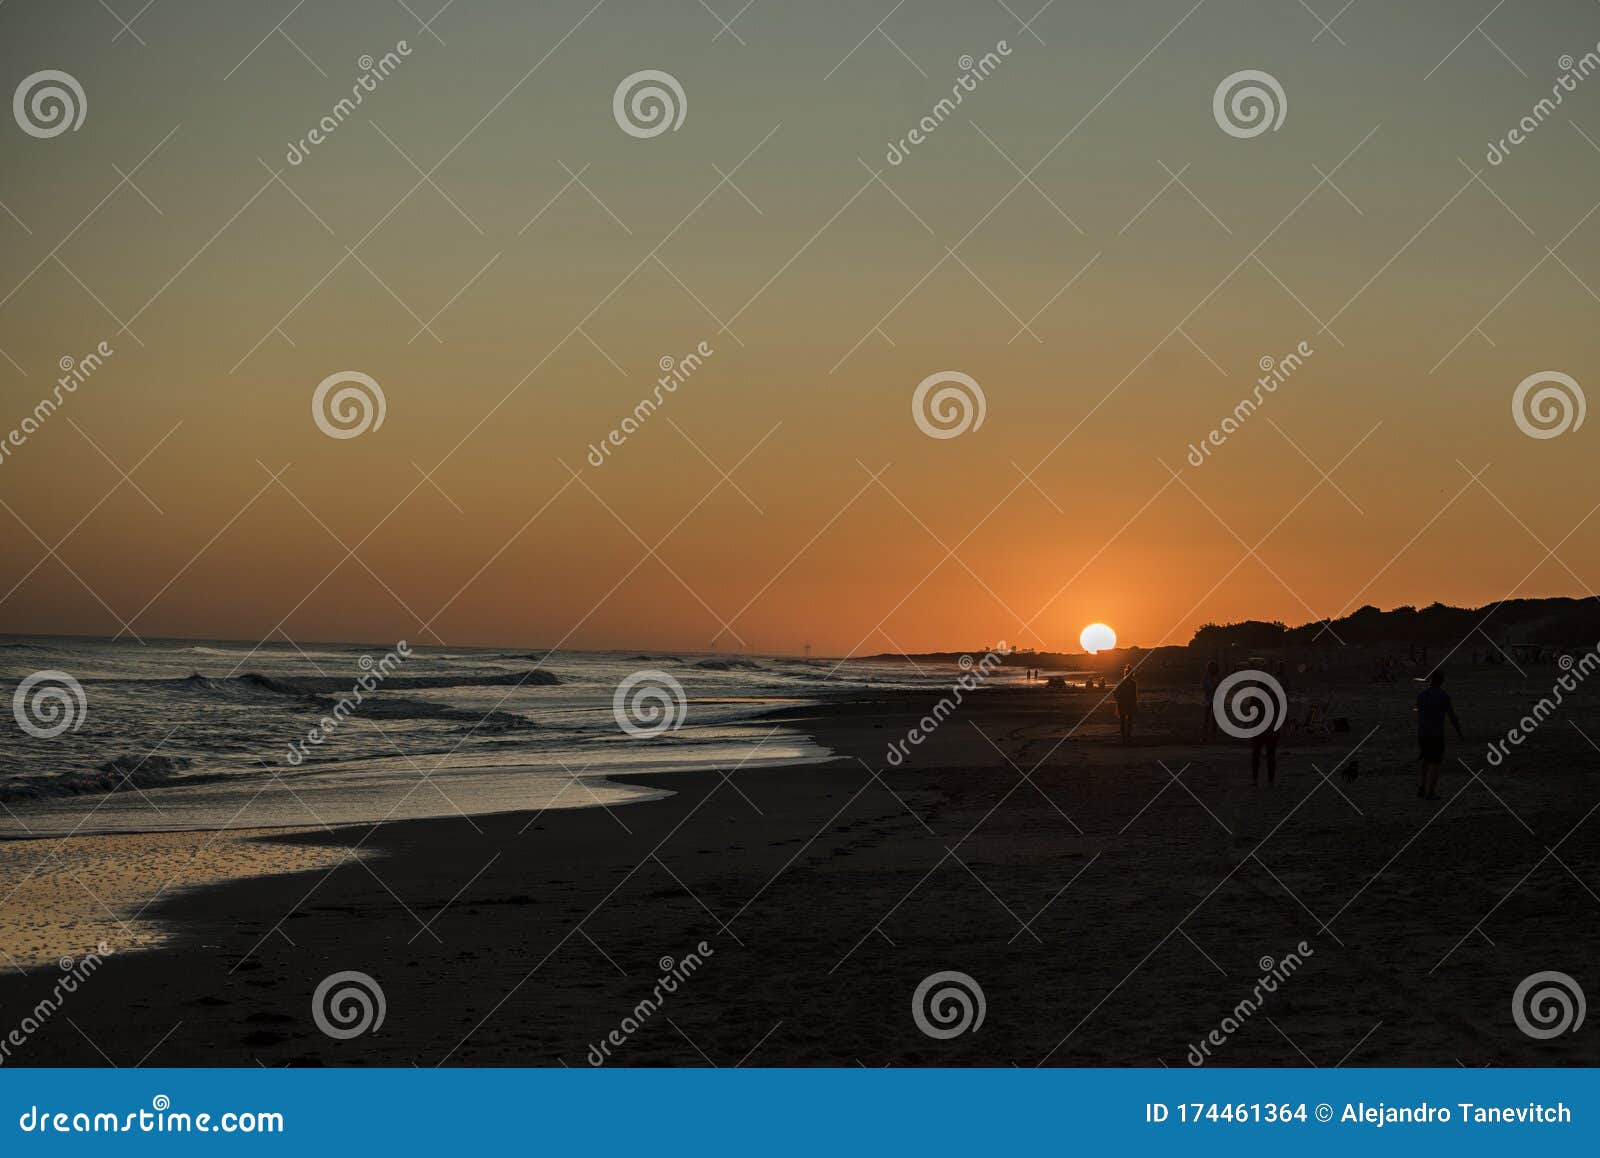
119,736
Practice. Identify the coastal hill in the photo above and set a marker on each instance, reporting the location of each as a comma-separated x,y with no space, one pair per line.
1559,622
1512,624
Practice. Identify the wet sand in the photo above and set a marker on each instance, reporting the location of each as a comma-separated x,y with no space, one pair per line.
1115,904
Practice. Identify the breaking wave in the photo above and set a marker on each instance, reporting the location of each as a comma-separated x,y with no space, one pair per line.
254,684
128,771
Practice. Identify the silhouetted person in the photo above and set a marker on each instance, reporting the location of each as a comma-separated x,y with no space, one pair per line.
1267,741
1127,697
1208,693
1433,709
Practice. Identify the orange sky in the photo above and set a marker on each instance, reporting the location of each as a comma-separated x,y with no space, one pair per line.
825,301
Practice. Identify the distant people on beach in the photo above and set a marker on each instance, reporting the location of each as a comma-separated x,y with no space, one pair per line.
1433,709
1208,693
1126,694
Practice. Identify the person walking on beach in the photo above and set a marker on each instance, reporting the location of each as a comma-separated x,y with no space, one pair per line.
1127,697
1433,709
1208,693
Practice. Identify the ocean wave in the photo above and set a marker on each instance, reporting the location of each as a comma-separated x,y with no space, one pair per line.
409,709
250,685
256,684
728,665
313,692
23,651
532,677
120,771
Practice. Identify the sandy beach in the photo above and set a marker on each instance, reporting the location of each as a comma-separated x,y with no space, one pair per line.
66,898
1114,902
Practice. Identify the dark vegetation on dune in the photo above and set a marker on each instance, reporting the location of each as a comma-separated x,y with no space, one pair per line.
1555,622
1552,622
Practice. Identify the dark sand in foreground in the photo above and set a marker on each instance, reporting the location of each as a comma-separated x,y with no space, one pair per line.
1114,906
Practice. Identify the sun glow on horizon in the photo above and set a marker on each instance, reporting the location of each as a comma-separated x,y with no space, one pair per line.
1097,637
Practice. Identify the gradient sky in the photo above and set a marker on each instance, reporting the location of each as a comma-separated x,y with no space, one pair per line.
559,332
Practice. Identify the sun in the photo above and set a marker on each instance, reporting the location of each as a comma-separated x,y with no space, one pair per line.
1097,637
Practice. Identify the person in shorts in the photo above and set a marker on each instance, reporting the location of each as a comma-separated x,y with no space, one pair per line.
1433,709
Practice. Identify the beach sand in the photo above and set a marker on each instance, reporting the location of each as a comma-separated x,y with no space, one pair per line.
1116,904
68,897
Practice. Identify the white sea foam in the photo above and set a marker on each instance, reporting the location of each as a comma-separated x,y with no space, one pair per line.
182,735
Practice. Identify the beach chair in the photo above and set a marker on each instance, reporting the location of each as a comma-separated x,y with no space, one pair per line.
1318,713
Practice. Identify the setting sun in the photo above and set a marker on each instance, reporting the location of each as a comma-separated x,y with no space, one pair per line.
1097,637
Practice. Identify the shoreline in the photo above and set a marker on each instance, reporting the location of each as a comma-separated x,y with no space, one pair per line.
1111,916
484,788
113,856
